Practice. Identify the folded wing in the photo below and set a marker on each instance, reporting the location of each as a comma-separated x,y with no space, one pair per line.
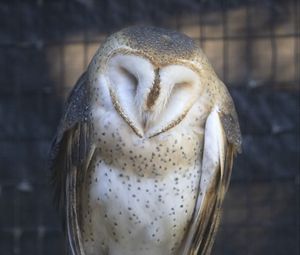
70,155
219,151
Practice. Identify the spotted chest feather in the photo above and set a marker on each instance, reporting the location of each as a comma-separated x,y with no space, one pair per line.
141,193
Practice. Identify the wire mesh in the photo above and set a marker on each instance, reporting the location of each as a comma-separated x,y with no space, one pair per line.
254,47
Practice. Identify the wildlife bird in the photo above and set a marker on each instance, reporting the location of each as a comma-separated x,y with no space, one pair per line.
143,154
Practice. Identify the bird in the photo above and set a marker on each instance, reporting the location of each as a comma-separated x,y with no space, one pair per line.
143,153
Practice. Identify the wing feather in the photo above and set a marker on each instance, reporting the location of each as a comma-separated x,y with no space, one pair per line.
217,163
70,155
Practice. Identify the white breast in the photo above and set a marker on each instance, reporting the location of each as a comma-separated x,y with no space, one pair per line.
140,194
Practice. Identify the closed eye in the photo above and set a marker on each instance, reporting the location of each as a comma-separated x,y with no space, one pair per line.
180,91
183,85
132,80
180,87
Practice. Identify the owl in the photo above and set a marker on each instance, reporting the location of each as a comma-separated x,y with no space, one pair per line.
143,154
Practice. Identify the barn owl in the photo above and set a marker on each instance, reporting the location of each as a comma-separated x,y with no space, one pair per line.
143,154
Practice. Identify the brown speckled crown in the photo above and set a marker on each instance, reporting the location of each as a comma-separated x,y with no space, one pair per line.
161,44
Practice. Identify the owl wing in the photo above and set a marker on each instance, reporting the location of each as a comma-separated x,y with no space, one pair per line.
221,142
70,155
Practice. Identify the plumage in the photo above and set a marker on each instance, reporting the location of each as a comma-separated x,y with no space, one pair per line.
143,155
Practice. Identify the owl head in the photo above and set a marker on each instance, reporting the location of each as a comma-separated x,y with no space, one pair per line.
151,76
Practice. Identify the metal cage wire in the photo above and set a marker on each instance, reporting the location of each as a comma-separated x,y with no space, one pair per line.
254,47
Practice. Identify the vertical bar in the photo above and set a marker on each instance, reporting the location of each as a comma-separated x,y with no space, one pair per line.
61,88
201,30
248,67
177,18
296,8
249,38
38,48
273,77
225,41
153,16
17,98
129,12
85,40
41,107
297,40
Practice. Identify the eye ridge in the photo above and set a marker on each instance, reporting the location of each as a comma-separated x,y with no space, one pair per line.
154,93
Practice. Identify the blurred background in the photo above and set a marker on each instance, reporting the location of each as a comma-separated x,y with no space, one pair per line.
254,48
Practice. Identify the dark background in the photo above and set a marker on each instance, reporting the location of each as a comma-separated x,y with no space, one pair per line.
254,47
